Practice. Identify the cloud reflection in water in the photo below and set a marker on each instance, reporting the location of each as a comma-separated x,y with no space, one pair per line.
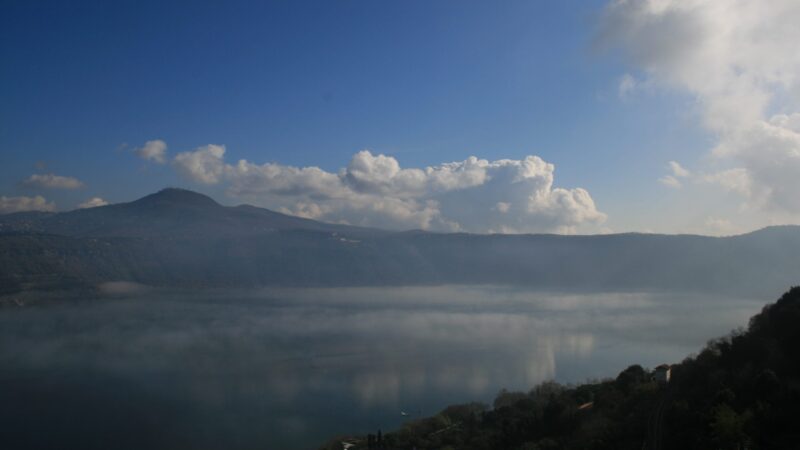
288,367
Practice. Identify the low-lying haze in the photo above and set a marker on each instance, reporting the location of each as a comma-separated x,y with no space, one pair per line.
291,367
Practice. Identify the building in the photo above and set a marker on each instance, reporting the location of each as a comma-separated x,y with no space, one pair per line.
662,373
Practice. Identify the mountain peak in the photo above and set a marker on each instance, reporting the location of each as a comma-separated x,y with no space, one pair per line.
178,197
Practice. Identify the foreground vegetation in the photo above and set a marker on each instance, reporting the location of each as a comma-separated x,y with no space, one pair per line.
741,391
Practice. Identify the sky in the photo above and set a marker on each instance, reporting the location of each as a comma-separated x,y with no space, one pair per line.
670,116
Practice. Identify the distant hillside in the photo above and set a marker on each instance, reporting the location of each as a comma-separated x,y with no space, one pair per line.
181,238
169,213
740,392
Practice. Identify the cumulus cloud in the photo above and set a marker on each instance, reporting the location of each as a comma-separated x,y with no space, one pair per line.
374,190
203,165
93,203
769,154
17,204
51,181
155,150
734,180
739,59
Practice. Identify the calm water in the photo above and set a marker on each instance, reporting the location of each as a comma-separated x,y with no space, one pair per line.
292,368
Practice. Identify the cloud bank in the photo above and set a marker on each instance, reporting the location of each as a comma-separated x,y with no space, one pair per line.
52,181
473,195
740,60
17,204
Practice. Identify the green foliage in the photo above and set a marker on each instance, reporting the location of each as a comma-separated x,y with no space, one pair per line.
728,427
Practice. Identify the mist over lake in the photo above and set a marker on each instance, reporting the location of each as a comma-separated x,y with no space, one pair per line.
395,225
289,368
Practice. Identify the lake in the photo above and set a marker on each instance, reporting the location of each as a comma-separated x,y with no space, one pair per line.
291,368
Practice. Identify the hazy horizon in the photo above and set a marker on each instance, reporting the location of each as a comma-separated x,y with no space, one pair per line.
604,232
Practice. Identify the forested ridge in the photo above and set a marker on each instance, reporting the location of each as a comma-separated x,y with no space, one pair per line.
178,238
741,391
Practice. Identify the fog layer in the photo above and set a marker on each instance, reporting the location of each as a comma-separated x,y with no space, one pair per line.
291,367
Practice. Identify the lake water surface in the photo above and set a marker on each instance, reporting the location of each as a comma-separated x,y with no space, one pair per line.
291,368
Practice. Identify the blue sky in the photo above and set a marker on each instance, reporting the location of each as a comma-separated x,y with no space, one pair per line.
302,84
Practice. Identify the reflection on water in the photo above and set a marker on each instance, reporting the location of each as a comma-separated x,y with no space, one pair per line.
292,367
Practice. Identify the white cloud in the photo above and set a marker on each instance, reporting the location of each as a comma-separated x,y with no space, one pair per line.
739,59
17,204
203,165
373,190
93,203
735,180
769,154
51,181
677,171
155,150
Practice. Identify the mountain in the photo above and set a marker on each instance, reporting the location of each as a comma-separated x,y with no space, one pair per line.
168,213
181,238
